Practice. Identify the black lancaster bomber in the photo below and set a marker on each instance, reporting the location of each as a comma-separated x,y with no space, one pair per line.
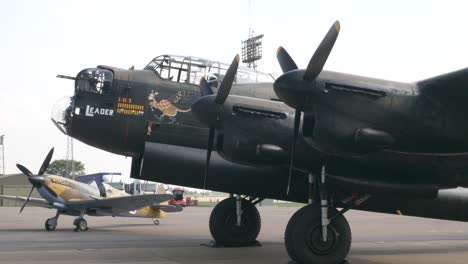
329,139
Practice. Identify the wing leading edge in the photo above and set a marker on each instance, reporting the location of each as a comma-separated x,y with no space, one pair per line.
121,203
34,201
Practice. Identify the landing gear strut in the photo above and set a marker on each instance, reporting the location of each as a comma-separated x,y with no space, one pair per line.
318,233
80,223
51,223
235,222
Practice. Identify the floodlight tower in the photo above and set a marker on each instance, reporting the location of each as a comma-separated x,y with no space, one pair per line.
2,154
252,48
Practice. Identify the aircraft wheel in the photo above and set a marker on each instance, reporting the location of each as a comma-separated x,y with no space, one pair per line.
155,221
49,226
223,221
303,237
81,224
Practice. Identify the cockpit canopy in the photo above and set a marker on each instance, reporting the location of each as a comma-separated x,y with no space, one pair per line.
192,69
94,80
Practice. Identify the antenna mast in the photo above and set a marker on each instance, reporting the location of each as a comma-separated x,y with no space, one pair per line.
2,154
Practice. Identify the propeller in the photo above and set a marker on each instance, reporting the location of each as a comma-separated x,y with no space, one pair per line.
297,121
285,61
209,148
24,170
205,89
227,82
321,54
36,180
27,200
46,162
207,108
292,84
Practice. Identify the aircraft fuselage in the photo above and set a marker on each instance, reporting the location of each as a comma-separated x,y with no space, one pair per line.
367,128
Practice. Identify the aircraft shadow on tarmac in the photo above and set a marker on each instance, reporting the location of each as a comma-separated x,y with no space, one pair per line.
29,230
344,262
122,225
355,261
400,251
104,228
404,249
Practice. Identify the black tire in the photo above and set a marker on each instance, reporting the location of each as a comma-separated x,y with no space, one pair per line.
81,225
303,237
155,221
48,226
223,224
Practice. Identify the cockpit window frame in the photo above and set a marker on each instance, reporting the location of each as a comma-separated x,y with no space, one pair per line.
103,81
196,68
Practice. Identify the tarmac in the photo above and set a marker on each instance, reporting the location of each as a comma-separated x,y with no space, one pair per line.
180,238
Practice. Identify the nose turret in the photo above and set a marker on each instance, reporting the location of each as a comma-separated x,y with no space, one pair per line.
62,113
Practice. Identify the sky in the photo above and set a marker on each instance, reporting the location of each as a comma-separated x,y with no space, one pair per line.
396,40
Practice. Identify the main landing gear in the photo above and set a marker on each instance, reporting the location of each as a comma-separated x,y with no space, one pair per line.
155,221
318,233
235,222
51,223
80,223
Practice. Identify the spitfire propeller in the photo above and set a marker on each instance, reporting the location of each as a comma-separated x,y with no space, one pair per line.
208,107
36,180
295,86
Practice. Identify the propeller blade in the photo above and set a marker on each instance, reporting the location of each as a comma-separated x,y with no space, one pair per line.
285,61
320,56
27,200
226,84
205,89
297,121
24,170
209,112
208,153
46,162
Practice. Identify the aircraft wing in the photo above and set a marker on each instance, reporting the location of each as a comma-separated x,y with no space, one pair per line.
169,208
121,203
34,201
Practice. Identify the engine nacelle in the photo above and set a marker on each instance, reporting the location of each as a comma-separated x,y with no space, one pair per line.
241,140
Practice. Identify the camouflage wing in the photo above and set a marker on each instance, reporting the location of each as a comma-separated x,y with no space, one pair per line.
120,203
32,201
169,208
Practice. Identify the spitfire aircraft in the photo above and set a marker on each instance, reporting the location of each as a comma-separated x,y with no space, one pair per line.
329,139
71,197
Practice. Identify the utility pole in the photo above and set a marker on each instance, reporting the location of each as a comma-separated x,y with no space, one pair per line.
2,146
69,159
